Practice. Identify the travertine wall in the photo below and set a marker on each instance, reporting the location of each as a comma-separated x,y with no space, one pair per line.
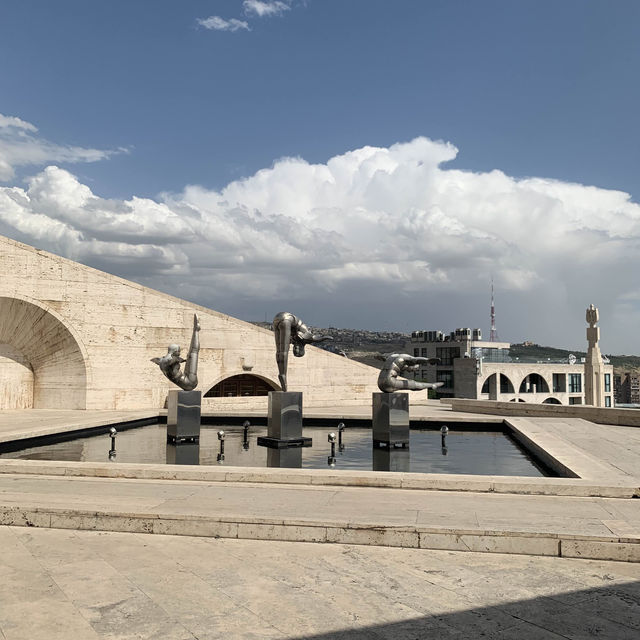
16,379
89,336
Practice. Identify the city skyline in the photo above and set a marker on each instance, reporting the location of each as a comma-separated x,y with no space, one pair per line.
365,165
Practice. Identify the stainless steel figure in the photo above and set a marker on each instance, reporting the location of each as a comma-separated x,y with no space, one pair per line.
170,363
291,330
395,365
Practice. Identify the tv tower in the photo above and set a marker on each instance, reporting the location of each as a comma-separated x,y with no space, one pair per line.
493,334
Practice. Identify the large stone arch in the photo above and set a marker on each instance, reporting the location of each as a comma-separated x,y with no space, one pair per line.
263,381
38,339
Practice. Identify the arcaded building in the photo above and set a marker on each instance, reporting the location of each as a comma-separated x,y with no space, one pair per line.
478,369
73,337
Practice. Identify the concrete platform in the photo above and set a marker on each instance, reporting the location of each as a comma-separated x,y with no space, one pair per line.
80,585
603,528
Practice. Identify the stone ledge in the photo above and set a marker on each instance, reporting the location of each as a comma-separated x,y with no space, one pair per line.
522,485
516,542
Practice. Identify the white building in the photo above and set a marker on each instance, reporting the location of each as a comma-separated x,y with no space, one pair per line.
474,368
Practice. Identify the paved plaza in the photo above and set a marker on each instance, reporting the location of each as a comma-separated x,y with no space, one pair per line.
84,585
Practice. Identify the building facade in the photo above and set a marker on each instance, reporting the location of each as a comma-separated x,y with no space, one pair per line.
472,368
628,388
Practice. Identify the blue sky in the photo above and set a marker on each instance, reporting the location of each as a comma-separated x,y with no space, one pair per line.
158,102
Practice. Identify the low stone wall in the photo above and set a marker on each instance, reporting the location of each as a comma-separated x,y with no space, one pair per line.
620,417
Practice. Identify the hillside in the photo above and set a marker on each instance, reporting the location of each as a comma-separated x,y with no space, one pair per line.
536,352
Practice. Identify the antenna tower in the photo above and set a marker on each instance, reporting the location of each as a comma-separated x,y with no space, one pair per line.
493,334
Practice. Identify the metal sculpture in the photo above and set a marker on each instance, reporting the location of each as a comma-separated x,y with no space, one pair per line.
396,365
170,363
290,330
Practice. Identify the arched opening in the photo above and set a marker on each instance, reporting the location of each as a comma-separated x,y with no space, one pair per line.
42,366
505,384
534,383
244,384
490,383
551,401
517,400
491,380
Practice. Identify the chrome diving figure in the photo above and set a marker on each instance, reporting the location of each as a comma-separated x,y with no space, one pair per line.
291,330
395,365
170,363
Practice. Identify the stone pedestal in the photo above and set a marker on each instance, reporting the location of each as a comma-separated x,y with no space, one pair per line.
390,419
391,459
284,426
183,415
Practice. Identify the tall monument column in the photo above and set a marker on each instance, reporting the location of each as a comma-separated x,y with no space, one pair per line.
593,366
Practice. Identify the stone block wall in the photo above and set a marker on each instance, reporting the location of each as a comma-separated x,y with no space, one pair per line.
89,337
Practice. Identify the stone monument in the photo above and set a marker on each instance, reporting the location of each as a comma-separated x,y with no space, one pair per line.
183,407
593,366
284,427
390,409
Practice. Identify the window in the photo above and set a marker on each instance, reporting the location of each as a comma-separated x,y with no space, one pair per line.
424,352
416,352
446,377
575,385
447,354
575,400
607,383
607,400
559,382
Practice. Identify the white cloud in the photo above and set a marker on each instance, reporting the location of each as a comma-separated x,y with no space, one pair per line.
19,147
393,229
216,23
265,8
12,121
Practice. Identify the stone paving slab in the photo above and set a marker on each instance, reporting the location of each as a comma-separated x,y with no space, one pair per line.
602,528
18,424
77,585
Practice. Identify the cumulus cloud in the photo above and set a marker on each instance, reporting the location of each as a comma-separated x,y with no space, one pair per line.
21,146
265,8
216,23
376,236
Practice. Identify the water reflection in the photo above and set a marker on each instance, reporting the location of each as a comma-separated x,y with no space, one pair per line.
285,458
464,452
183,453
391,459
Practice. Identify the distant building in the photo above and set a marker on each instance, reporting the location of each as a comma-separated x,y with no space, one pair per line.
473,368
629,388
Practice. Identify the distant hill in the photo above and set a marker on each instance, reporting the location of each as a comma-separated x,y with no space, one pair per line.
535,352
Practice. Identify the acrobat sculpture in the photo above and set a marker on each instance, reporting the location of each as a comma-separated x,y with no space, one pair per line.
391,410
184,406
290,330
395,365
284,427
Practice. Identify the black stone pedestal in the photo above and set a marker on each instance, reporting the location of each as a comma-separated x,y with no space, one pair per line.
284,427
390,419
183,415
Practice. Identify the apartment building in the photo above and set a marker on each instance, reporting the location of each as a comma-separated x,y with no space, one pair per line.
474,368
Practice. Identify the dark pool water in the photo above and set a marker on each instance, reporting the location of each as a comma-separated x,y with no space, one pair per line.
468,452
